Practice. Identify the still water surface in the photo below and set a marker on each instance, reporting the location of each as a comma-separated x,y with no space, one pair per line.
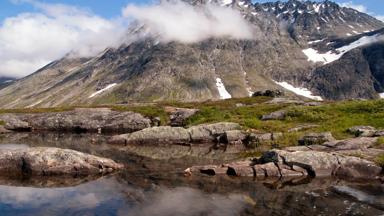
153,184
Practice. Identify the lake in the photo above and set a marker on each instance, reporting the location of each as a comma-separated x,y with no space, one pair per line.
153,184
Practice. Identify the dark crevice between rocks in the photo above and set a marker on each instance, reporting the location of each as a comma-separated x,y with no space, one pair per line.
231,171
28,129
25,167
308,168
79,130
209,172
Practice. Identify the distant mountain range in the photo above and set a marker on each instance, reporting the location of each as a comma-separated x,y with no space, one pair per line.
315,49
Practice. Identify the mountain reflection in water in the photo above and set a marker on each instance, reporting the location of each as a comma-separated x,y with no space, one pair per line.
153,184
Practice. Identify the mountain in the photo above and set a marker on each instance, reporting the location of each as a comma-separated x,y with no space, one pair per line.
302,46
6,81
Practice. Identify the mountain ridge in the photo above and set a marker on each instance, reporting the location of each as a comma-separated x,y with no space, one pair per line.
146,70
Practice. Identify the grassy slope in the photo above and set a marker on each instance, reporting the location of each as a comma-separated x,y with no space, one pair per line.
335,117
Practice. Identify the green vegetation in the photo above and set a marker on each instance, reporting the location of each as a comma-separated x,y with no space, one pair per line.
380,160
380,142
335,117
2,123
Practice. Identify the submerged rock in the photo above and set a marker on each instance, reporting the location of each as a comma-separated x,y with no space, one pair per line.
43,161
78,120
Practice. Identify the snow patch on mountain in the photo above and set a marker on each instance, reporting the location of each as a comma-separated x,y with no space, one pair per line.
381,95
224,94
299,91
103,90
331,56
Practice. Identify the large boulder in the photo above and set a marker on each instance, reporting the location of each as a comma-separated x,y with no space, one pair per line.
210,132
44,161
234,136
155,135
362,131
316,138
178,116
79,120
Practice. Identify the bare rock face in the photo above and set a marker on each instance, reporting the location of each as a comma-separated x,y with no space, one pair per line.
206,133
44,161
79,120
316,138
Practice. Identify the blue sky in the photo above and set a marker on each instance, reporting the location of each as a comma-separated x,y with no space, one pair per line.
112,8
36,32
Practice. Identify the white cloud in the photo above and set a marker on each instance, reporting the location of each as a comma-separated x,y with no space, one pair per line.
178,21
358,7
29,41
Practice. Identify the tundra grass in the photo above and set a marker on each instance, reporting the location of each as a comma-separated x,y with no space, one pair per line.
335,117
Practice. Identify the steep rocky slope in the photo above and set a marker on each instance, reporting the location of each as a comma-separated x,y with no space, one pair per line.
286,36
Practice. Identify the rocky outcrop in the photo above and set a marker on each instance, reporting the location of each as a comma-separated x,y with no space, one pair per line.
44,161
278,115
281,164
78,120
364,131
206,133
269,93
155,135
351,144
178,116
209,132
316,138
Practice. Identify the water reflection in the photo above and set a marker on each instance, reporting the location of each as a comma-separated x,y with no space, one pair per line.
107,196
156,186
